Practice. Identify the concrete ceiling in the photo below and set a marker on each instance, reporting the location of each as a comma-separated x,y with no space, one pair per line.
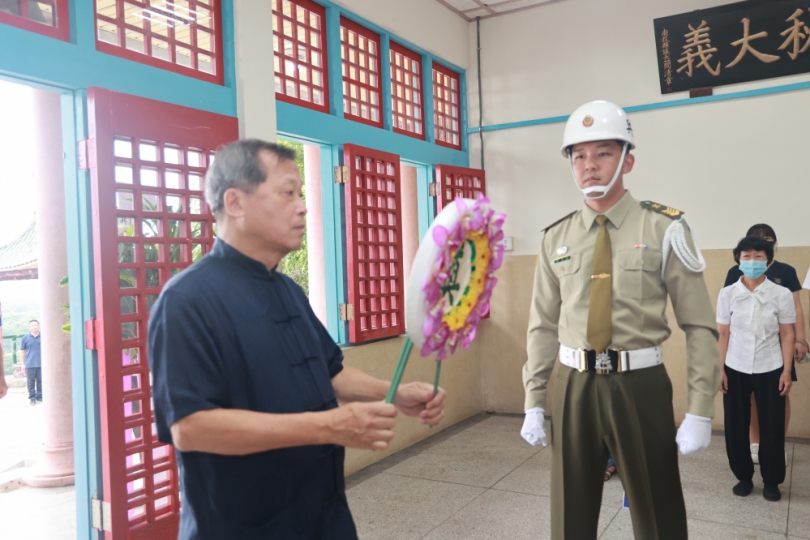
471,9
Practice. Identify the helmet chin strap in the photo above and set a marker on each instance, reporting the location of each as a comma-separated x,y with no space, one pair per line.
599,192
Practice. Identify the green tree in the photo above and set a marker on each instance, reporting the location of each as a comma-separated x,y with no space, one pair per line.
295,263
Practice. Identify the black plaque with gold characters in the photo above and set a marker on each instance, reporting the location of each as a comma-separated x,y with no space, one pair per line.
734,43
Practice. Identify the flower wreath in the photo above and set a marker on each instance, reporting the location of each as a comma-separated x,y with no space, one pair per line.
452,278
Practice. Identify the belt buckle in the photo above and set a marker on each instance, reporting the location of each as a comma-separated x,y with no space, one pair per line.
583,360
603,363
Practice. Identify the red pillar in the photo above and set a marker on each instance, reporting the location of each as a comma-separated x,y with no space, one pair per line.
55,466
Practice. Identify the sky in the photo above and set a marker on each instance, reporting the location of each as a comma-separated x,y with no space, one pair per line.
17,193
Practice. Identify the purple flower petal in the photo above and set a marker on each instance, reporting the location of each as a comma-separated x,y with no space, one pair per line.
427,348
467,339
440,235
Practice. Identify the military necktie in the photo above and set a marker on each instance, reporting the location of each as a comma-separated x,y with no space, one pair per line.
600,326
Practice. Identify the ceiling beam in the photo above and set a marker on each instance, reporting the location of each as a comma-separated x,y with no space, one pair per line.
454,10
486,7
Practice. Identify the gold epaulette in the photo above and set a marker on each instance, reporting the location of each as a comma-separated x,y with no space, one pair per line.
559,221
662,209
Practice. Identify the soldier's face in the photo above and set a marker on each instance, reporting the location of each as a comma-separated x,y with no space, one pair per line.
594,163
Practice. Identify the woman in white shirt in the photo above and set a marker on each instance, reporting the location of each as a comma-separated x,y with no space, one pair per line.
755,319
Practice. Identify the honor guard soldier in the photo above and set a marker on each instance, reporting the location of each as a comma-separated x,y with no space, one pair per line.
600,295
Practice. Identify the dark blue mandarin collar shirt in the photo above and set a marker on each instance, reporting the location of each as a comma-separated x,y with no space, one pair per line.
226,333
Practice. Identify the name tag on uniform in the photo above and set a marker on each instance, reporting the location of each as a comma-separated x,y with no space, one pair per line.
561,259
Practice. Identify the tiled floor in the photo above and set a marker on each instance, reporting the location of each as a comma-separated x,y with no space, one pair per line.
479,480
29,513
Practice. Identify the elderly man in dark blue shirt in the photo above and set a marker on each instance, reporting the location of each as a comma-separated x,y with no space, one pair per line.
246,378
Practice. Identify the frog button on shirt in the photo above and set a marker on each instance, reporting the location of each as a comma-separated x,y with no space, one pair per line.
226,333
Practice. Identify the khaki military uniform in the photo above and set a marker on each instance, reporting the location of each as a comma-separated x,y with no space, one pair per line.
627,414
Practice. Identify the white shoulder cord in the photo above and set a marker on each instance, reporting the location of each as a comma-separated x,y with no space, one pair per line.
675,240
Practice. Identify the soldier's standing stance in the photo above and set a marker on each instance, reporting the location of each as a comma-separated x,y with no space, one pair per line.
600,295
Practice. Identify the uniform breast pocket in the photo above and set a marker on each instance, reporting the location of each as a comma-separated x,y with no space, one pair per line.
568,272
639,273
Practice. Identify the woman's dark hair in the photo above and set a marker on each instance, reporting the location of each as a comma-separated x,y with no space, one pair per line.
754,243
762,230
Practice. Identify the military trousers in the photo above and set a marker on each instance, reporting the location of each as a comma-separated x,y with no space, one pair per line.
629,416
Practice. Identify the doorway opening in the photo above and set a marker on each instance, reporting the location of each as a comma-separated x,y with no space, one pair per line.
36,415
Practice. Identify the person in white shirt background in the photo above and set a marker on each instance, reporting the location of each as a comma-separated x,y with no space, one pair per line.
755,320
786,276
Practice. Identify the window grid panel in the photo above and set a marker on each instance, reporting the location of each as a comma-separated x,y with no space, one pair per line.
299,46
46,17
374,244
183,36
455,182
446,107
360,54
159,230
407,100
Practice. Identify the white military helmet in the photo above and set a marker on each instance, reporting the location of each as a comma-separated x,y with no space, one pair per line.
598,120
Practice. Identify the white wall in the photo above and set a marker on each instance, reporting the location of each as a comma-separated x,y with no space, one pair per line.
726,164
255,82
425,23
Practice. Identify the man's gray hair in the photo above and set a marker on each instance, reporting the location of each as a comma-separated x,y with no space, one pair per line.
237,165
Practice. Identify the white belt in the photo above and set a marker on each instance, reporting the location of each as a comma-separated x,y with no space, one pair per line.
628,360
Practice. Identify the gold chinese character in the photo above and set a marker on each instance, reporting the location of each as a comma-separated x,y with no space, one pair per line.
698,37
665,33
667,64
797,32
746,47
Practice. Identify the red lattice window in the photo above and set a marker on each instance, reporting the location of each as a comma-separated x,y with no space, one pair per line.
147,164
299,45
406,92
374,244
452,182
47,17
183,36
446,107
360,51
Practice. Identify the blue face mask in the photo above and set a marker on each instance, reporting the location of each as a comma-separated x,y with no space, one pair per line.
753,269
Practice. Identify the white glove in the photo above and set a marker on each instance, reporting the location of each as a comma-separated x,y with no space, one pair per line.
694,435
533,430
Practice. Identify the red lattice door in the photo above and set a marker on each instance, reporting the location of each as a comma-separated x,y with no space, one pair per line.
374,244
452,182
147,161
